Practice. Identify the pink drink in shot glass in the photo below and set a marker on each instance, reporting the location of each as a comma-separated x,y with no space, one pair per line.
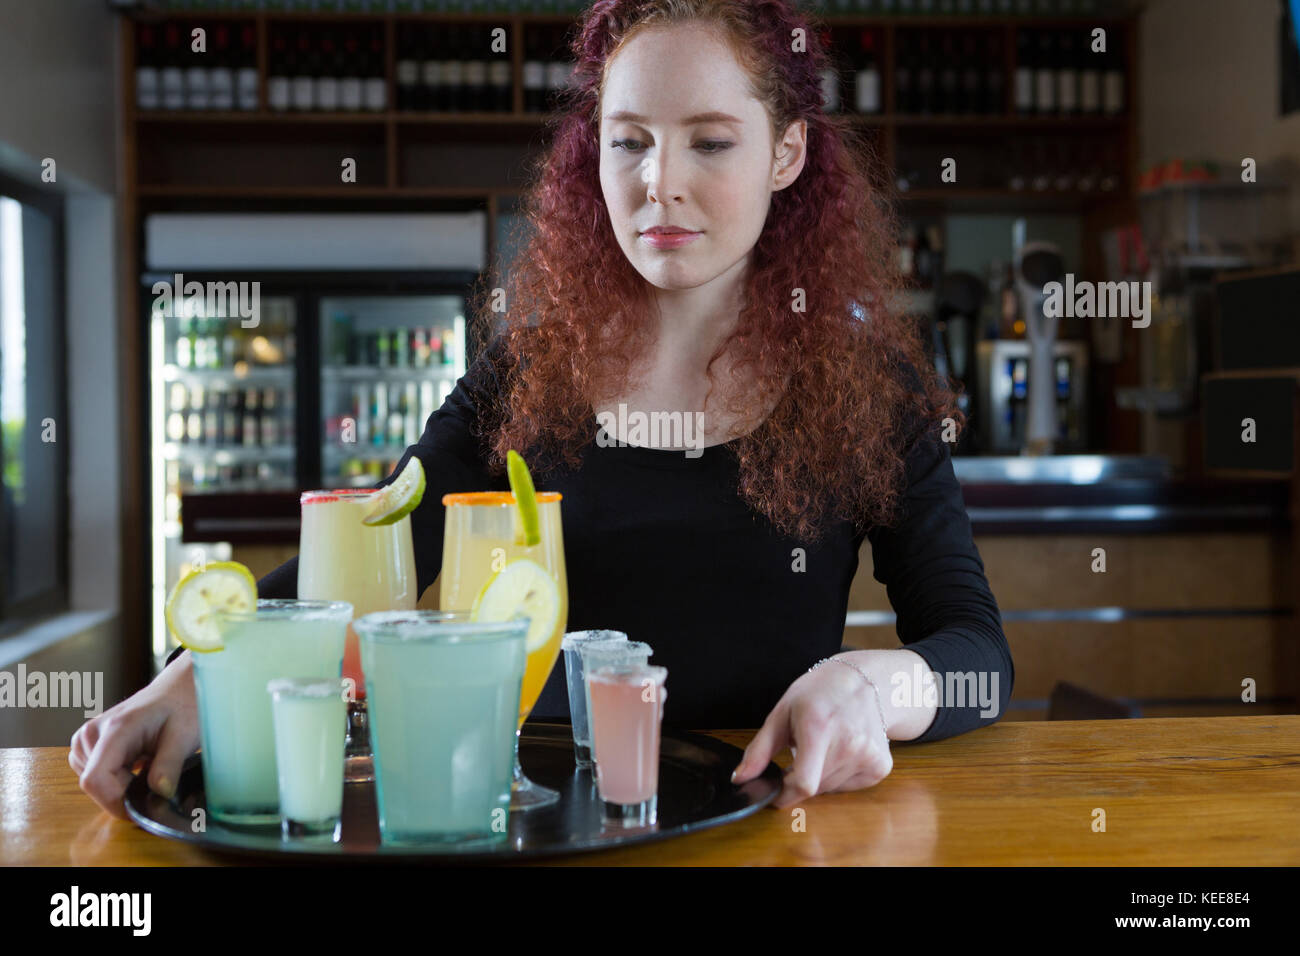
627,709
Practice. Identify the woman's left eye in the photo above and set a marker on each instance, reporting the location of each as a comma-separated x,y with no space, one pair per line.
720,144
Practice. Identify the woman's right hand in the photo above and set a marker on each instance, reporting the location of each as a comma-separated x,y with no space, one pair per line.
158,723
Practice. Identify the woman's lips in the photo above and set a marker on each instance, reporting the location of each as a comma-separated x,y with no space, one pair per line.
669,240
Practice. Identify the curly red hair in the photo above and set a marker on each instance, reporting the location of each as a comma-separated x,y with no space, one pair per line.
856,386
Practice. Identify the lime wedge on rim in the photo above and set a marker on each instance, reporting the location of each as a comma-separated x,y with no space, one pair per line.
396,500
522,587
191,610
521,485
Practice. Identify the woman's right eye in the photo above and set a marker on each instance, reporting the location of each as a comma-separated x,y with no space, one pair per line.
623,144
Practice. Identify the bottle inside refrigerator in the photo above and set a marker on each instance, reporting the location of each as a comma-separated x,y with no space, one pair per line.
387,363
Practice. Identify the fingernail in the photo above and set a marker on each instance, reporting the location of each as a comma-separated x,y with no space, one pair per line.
166,788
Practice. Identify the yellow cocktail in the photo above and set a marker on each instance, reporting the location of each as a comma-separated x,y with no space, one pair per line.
482,536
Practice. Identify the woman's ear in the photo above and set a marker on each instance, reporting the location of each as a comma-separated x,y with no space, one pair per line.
790,155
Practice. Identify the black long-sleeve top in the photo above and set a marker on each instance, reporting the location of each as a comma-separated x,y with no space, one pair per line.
660,545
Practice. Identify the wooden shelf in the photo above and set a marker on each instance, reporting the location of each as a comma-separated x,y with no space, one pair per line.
323,192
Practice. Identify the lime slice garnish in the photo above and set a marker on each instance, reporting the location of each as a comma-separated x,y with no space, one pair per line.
522,587
396,500
521,485
192,607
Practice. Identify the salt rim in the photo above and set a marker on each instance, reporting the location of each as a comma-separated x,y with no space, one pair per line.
283,609
612,652
575,639
314,687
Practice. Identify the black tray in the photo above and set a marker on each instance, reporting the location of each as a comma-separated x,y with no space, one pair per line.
695,792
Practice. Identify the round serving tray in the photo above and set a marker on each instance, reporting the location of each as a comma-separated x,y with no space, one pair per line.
695,792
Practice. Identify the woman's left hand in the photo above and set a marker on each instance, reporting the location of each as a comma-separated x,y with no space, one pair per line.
830,720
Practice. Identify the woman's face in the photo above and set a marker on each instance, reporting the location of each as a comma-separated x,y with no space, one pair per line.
684,143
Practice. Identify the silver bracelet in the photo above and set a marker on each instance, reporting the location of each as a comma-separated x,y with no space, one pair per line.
838,660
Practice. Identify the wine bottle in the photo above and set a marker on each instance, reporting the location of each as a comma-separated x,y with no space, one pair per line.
431,91
924,77
972,77
1089,78
376,74
302,83
1025,62
221,73
534,72
278,80
197,96
408,71
246,93
500,94
148,93
949,78
1113,84
476,69
453,70
558,69
867,80
351,93
327,79
1067,75
1045,75
995,87
904,88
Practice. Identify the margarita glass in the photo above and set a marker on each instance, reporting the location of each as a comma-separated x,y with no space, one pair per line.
371,567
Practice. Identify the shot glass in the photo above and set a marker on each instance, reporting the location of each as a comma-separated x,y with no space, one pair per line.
574,675
604,654
627,710
310,717
443,697
282,638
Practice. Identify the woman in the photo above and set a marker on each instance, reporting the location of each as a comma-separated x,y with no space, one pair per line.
731,548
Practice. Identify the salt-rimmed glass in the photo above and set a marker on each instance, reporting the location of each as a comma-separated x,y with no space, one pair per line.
282,638
443,694
310,718
608,654
627,711
371,566
574,678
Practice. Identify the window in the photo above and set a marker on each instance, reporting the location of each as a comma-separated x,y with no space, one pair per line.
33,452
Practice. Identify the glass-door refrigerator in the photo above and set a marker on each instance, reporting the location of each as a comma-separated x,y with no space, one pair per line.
336,379
360,333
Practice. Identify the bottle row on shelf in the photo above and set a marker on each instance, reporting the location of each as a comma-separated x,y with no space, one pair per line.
229,418
184,477
953,72
382,414
976,8
343,67
204,342
432,347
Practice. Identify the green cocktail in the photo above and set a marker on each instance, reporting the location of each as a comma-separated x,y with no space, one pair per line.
282,639
443,697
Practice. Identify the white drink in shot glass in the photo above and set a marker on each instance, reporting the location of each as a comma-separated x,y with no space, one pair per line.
574,673
627,710
607,654
310,718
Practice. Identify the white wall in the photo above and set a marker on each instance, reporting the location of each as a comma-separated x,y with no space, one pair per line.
1209,84
59,99
58,88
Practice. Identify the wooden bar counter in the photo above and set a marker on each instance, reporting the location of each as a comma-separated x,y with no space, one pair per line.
1214,791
